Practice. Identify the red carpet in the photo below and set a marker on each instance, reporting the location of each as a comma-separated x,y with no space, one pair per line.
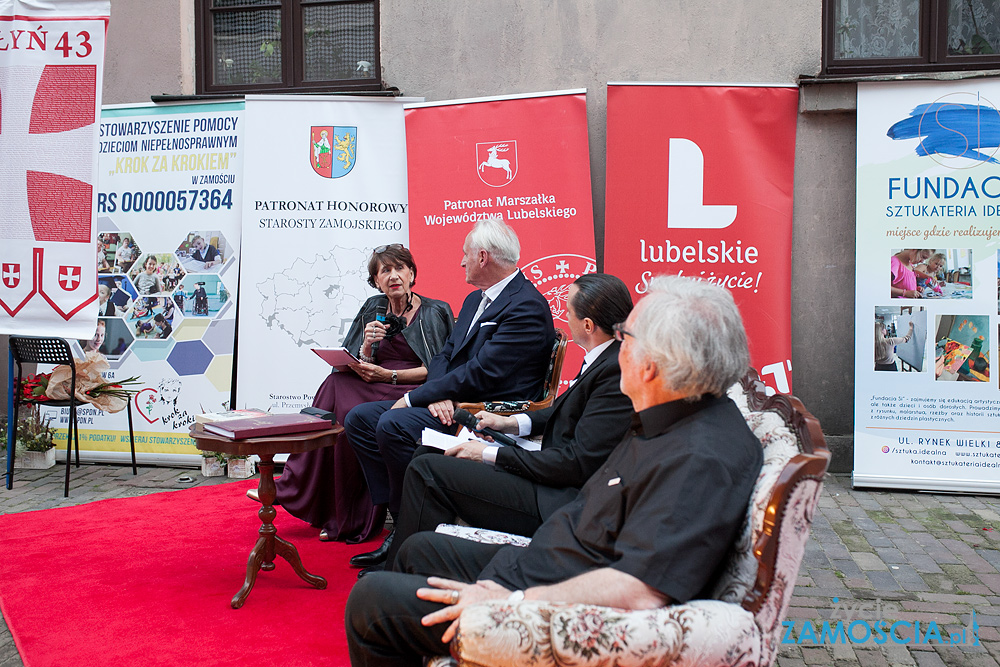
147,581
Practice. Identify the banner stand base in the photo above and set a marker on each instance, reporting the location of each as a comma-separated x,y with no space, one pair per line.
925,484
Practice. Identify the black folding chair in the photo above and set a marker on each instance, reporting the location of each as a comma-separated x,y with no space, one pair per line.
39,350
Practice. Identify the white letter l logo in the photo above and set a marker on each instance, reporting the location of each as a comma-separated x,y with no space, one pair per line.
686,191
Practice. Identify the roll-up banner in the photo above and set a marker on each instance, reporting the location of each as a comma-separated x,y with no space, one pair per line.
51,69
325,184
168,237
699,183
927,408
524,158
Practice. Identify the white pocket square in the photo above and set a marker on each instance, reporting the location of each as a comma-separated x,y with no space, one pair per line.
487,324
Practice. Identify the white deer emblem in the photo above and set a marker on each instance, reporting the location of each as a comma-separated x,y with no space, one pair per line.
496,163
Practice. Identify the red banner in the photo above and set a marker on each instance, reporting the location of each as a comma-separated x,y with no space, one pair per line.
525,159
699,183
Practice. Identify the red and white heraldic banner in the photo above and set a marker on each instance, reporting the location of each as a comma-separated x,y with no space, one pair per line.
524,158
699,183
51,67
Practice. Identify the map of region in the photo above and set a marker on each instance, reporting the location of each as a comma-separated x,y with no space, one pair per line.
314,301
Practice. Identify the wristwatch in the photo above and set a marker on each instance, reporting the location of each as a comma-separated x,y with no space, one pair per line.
394,377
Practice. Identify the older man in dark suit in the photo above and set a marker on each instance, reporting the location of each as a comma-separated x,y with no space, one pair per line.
499,349
518,489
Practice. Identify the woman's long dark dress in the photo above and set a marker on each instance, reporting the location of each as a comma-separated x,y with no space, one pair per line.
326,486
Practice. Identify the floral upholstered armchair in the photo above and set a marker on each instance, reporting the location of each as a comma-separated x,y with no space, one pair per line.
740,626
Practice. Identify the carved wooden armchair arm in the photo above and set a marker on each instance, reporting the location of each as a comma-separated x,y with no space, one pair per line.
551,385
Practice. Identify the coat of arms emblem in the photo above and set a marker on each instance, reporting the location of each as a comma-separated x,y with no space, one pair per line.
69,277
333,149
497,162
11,275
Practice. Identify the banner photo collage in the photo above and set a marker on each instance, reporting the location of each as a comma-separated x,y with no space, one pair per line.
167,259
51,71
927,404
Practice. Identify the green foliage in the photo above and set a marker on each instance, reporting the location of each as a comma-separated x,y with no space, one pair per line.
34,434
980,45
221,457
977,45
218,456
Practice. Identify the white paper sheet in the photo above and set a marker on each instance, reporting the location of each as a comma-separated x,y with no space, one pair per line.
432,438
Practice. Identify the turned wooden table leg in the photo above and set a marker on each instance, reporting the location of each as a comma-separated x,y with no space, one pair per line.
253,565
267,493
262,555
268,543
288,551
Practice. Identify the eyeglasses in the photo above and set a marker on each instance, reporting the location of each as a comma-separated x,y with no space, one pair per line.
382,248
621,332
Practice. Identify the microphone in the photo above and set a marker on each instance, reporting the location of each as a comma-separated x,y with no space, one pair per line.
380,312
465,418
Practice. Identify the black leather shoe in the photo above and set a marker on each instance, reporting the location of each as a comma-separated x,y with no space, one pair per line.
368,570
376,557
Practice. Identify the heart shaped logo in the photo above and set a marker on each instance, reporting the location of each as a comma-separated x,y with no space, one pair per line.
144,401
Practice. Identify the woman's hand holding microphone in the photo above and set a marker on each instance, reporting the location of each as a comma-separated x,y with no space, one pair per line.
374,332
366,370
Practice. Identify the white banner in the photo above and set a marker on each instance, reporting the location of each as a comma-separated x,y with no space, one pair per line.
927,408
169,211
51,69
325,184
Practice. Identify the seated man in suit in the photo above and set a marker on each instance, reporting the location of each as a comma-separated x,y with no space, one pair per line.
578,433
652,527
499,349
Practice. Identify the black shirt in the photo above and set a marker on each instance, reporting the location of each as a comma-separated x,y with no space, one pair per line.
665,508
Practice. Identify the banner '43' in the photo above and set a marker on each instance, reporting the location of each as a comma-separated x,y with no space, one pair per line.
51,67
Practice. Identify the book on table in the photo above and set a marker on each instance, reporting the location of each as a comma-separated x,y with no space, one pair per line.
259,427
228,415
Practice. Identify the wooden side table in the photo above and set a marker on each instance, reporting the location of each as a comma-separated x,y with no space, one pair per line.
268,543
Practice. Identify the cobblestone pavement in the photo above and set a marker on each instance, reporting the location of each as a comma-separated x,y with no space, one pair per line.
904,556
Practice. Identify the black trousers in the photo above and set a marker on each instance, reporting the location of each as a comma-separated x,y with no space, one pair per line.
440,489
384,441
383,613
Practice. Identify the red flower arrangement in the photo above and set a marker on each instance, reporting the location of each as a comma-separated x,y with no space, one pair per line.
90,385
33,387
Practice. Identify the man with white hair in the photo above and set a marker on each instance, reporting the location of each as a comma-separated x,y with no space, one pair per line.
650,528
498,350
